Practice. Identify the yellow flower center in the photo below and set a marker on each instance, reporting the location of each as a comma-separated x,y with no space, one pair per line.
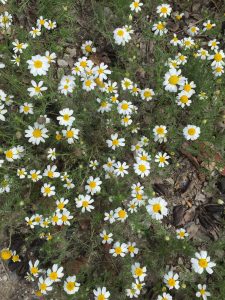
164,10
191,131
118,250
43,286
6,254
34,270
184,99
69,134
203,263
138,272
53,276
101,297
88,48
120,32
60,205
9,154
85,203
156,208
38,64
218,57
160,26
142,168
122,214
171,282
70,285
174,79
37,133
124,106
187,87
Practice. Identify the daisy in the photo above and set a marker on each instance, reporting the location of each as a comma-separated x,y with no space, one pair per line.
50,57
160,28
69,184
157,208
65,217
160,133
118,249
126,121
120,214
21,173
105,106
138,272
19,47
48,190
35,32
36,134
126,84
171,280
164,10
51,154
66,118
44,285
38,65
172,79
115,142
202,263
50,172
61,203
106,237
50,25
11,154
85,202
175,41
218,71
162,158
217,58
87,48
109,166
70,285
187,43
193,30
35,175
101,293
41,21
121,169
188,88
94,164
147,94
136,6
16,59
110,217
55,274
142,168
93,185
132,249
132,206
102,71
121,36
111,87
71,134
181,233
6,254
202,293
165,296
202,53
213,44
125,108
191,132
34,269
183,99
26,108
208,25
88,84
36,89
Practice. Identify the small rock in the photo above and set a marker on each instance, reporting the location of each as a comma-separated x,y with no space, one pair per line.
62,63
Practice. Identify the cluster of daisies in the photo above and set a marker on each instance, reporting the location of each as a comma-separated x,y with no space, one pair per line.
90,76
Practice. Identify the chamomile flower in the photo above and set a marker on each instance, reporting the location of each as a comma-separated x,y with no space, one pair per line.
142,168
21,173
36,134
121,36
181,233
5,20
34,269
35,175
159,28
50,172
71,134
218,71
164,10
48,190
50,57
214,44
147,94
11,154
119,249
84,202
35,32
5,254
125,107
101,293
120,168
193,30
41,21
18,46
165,296
202,292
51,154
36,89
115,142
217,58
26,108
87,48
157,208
55,273
126,84
49,25
160,133
132,206
183,99
187,43
175,41
173,79
110,217
132,249
105,106
102,71
71,286
188,88
16,59
66,117
44,285
202,263
88,84
136,6
138,272
65,217
162,159
208,25
93,185
106,237
171,280
120,214
126,121
38,65
191,132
